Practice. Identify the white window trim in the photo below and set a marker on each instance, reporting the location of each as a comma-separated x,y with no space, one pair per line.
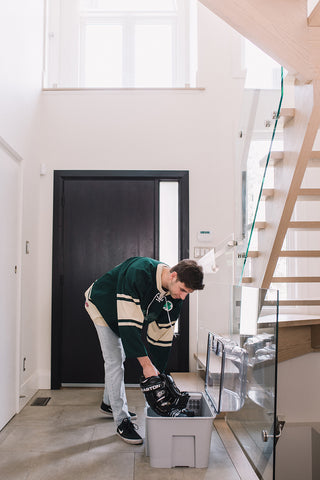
63,43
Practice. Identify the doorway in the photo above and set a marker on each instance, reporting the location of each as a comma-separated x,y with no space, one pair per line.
10,279
100,219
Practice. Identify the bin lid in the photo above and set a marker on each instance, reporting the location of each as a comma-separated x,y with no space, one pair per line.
226,374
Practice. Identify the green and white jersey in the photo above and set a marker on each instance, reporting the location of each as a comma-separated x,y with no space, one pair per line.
130,296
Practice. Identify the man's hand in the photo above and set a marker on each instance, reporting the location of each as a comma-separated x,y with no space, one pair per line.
149,370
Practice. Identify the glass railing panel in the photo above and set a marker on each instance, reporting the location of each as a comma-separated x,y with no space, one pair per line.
255,426
221,261
260,133
246,318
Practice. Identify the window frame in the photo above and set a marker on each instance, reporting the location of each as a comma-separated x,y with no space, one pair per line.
64,42
128,23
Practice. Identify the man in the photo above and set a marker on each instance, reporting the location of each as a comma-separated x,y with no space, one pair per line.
138,291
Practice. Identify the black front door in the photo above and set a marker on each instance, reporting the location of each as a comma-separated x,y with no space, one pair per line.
100,219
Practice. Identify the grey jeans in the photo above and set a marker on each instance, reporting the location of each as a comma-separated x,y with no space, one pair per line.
113,354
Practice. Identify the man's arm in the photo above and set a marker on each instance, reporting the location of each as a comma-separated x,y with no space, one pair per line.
149,370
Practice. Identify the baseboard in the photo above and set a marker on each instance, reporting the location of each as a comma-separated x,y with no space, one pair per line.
39,380
27,390
44,380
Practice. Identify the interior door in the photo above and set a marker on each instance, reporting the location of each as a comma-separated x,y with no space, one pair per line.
10,188
99,221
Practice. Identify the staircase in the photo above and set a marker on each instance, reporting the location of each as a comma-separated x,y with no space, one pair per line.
290,229
299,318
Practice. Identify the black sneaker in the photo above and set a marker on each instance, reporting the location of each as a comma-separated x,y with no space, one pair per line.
107,410
127,431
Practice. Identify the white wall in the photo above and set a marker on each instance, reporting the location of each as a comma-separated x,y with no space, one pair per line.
298,389
191,130
141,130
21,39
21,53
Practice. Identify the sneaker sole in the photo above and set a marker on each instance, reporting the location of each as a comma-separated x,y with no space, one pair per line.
132,441
109,415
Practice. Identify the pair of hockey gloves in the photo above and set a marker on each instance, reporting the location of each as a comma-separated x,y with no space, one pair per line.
164,397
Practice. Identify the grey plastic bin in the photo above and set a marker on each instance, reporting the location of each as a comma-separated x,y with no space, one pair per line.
181,441
185,441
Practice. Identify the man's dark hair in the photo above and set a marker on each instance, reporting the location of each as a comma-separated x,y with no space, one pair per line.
189,273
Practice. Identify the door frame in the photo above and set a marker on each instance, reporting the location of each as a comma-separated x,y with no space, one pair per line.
13,371
60,176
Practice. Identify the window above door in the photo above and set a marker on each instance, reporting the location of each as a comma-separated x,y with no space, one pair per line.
121,44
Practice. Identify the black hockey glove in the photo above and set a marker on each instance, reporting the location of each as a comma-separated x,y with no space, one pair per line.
177,398
164,397
157,395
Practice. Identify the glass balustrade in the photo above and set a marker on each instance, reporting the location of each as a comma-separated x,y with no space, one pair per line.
260,134
239,326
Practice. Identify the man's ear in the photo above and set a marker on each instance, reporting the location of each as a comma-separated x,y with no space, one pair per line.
173,276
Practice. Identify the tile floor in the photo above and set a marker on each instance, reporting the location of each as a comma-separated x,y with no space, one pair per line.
70,439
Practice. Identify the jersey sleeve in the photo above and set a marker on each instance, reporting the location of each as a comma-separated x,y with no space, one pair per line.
160,337
159,344
132,285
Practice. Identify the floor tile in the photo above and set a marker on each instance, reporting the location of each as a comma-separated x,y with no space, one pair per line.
83,415
219,460
15,465
42,438
135,397
105,440
37,415
72,396
83,466
70,439
143,470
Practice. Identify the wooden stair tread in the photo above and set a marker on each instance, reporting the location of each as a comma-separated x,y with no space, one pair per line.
300,253
267,193
309,191
261,225
314,159
287,114
305,194
294,302
304,225
247,279
275,157
313,163
309,194
253,254
295,279
290,320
